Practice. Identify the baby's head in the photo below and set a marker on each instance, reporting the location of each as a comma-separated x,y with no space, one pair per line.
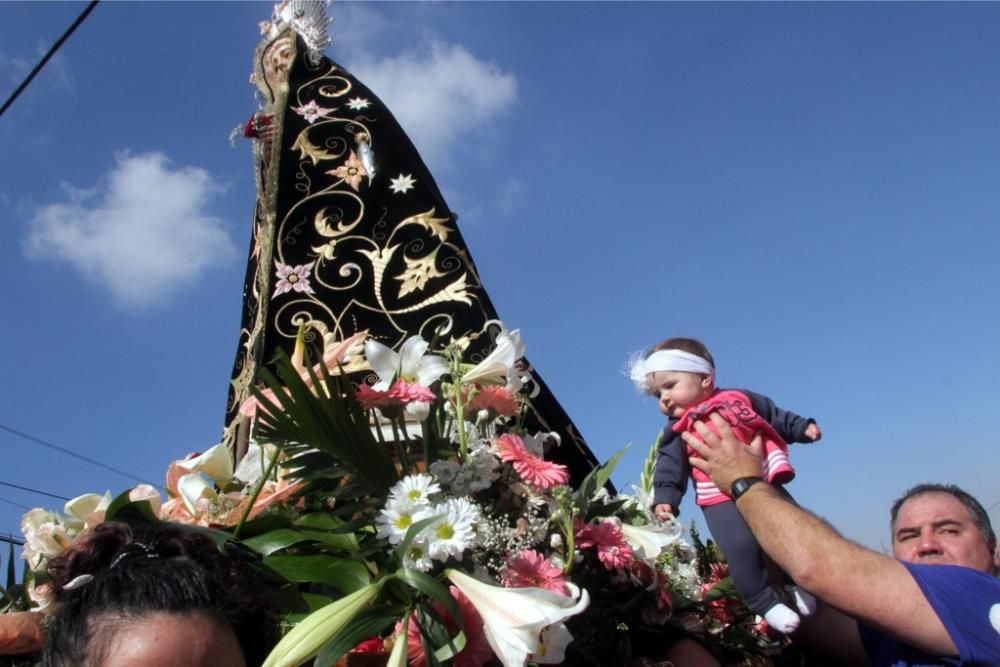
679,372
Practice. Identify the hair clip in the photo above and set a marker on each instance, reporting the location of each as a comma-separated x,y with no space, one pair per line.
78,582
135,550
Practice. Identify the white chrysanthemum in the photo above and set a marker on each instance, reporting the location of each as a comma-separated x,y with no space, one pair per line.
477,473
417,557
445,471
455,530
413,490
396,519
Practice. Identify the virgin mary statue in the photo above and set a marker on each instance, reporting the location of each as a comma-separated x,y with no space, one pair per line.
350,231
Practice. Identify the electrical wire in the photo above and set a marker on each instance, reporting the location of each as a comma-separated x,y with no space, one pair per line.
12,540
51,52
11,502
81,457
28,488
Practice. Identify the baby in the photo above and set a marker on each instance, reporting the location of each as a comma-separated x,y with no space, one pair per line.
680,372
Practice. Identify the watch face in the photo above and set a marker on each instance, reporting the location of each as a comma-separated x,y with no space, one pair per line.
741,485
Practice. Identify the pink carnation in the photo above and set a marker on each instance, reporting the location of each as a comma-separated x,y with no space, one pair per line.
613,549
533,469
477,651
530,569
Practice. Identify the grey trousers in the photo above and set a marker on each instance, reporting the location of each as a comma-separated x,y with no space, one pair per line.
745,558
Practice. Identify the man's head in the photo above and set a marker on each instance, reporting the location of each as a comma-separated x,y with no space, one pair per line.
941,523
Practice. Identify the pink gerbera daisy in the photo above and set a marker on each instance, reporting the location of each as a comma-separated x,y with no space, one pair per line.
497,401
613,549
530,569
533,469
407,392
370,398
477,651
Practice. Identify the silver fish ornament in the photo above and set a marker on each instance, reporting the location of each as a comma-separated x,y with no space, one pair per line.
367,159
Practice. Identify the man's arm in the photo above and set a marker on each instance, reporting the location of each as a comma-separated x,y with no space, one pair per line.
865,585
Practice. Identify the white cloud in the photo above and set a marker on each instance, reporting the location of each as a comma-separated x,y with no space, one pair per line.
438,91
510,195
143,233
55,73
439,94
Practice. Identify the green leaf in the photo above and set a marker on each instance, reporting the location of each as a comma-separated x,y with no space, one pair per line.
345,575
11,571
411,534
276,540
596,479
433,589
334,425
367,624
454,646
316,601
124,509
724,589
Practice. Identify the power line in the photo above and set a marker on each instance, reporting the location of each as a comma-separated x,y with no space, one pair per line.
41,63
12,540
81,457
11,502
28,488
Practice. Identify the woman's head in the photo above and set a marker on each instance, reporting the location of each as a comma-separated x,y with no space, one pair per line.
123,590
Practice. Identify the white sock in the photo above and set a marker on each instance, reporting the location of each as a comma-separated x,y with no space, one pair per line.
782,618
804,601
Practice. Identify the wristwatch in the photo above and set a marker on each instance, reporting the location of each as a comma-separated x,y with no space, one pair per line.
741,485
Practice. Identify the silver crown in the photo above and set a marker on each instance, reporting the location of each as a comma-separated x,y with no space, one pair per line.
307,18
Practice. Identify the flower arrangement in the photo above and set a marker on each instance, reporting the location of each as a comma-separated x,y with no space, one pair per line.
413,516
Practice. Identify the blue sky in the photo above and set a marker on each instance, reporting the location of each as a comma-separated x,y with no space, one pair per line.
812,189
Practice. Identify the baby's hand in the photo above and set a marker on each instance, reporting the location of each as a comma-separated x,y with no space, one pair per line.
663,511
813,432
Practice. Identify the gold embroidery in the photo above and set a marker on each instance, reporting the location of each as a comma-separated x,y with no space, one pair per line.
433,224
417,273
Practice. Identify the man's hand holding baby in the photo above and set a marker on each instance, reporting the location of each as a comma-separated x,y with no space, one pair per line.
723,457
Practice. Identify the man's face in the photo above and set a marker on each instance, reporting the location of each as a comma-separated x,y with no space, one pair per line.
937,528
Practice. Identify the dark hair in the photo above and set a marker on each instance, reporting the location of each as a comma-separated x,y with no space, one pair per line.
139,571
979,516
690,345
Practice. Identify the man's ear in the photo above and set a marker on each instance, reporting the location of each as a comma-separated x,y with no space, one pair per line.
996,557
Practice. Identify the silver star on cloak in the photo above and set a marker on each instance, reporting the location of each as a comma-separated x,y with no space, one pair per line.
402,183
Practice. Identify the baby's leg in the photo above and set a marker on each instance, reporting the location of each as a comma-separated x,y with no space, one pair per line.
746,562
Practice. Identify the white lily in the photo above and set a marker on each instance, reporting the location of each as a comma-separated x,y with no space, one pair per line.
83,507
514,618
148,493
253,464
648,541
217,463
306,639
192,488
410,363
555,639
398,658
500,363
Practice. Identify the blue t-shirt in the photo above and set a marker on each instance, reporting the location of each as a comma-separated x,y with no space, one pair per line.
968,603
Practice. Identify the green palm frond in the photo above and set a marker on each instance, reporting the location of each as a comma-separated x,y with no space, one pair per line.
326,436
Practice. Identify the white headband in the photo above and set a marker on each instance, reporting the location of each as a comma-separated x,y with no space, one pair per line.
668,360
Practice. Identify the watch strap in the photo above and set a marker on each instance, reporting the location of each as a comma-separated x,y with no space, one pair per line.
742,485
